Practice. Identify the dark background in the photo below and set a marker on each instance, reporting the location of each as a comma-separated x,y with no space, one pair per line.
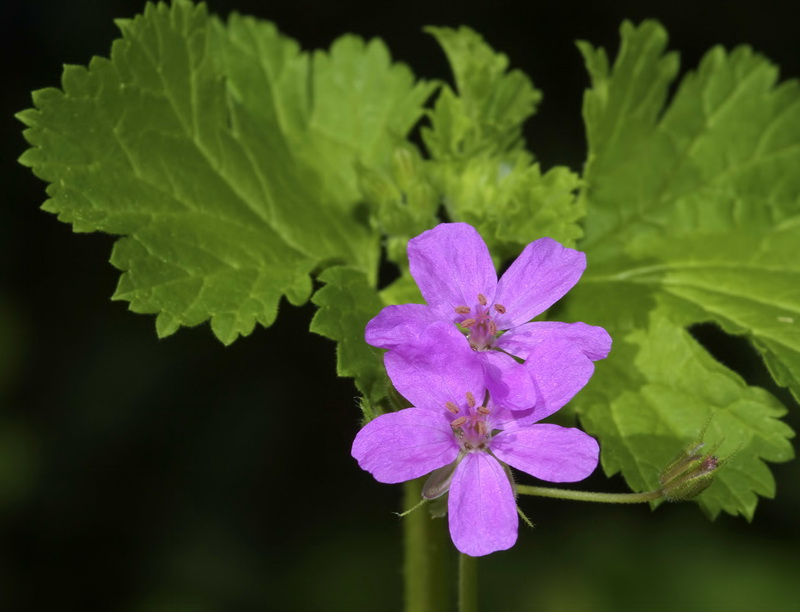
177,474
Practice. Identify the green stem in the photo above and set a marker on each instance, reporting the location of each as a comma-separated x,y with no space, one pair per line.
467,583
591,496
427,548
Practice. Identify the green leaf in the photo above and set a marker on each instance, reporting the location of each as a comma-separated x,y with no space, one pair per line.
479,165
346,303
486,116
403,290
656,393
512,204
338,109
747,281
721,156
403,201
693,216
224,156
384,104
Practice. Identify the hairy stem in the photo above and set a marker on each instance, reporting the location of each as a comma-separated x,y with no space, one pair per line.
591,496
467,583
427,555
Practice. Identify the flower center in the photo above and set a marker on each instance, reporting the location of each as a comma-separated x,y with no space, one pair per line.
479,322
471,429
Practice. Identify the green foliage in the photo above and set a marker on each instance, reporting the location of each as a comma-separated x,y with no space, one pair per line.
693,218
658,390
402,199
236,168
486,116
479,165
509,204
224,156
346,304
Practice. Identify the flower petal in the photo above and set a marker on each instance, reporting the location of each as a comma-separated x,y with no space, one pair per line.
559,370
481,508
549,452
539,277
451,265
510,384
399,446
396,325
440,367
593,341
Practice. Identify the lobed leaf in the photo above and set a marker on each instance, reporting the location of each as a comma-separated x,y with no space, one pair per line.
692,217
720,157
659,391
346,304
492,103
478,162
224,156
512,204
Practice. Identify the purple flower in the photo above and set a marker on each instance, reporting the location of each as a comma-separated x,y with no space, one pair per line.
455,274
466,440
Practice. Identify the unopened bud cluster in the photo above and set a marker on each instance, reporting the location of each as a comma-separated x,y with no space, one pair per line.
690,473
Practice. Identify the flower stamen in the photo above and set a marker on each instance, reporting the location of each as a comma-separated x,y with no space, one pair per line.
451,406
458,422
470,399
482,330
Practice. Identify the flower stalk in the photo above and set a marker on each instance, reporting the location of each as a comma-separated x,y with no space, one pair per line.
467,583
688,474
591,496
427,556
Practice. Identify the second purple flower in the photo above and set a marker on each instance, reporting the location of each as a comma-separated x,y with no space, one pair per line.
455,274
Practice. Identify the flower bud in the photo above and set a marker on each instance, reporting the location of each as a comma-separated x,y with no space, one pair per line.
376,188
438,483
690,473
404,167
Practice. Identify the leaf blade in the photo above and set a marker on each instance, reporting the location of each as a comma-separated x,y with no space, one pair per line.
692,218
201,143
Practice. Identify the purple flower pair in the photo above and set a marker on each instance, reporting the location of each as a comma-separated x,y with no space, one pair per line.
480,376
